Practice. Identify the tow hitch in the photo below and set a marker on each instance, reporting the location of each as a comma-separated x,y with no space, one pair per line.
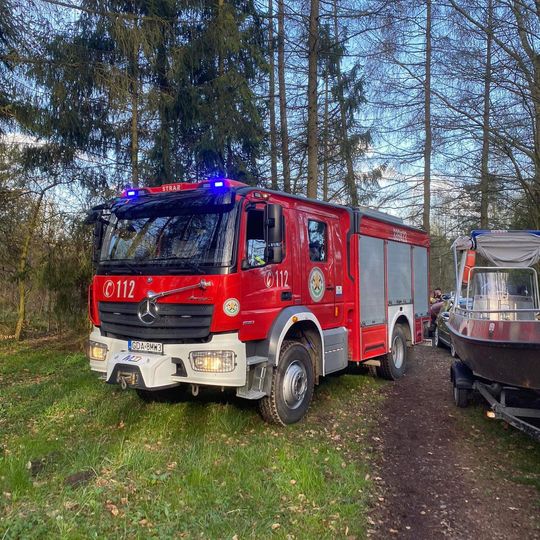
127,379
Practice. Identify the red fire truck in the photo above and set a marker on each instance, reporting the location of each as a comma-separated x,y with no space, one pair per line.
221,284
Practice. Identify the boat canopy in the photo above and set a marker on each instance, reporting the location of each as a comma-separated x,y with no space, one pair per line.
503,248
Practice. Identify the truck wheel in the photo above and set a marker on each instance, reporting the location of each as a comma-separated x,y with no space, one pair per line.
166,395
461,396
292,386
393,364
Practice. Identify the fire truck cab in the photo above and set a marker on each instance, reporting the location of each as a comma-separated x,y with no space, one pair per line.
221,284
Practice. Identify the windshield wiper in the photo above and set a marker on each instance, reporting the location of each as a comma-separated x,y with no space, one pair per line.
189,264
121,263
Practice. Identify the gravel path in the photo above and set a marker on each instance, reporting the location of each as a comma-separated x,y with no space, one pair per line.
437,477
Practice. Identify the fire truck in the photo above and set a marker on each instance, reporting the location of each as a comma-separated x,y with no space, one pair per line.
220,284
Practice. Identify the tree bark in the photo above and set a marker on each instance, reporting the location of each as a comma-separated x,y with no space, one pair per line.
134,132
346,152
283,98
484,172
23,267
312,135
526,38
272,97
427,123
326,146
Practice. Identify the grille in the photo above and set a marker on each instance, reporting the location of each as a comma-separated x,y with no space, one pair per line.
177,323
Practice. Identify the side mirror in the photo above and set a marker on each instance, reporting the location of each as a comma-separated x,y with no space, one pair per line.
274,233
445,316
99,218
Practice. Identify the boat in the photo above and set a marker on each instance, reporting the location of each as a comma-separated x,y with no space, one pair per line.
495,322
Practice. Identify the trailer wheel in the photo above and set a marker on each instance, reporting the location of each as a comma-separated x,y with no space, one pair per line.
461,396
292,386
393,364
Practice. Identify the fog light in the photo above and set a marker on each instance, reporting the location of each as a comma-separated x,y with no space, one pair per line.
96,351
213,361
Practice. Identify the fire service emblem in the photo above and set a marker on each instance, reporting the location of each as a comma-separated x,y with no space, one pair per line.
316,284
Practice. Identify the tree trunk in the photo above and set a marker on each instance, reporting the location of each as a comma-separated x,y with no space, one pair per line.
427,123
346,150
134,83
23,267
535,189
312,143
164,173
283,98
484,172
326,145
272,97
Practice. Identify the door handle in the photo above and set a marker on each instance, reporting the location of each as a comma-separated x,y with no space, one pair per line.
330,287
286,295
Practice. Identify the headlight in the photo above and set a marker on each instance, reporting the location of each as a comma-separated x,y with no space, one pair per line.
213,361
96,351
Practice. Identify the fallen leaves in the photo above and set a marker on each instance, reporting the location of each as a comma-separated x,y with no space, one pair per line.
112,508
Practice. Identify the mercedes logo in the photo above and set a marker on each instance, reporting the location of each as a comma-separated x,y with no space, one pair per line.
148,311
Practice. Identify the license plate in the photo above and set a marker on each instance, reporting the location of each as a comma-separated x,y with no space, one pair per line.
145,346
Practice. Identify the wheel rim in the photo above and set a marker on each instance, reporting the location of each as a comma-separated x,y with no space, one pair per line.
398,352
295,384
436,337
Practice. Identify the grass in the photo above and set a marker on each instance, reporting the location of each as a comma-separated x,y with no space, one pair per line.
516,456
82,459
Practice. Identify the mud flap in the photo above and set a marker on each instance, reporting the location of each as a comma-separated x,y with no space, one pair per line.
461,376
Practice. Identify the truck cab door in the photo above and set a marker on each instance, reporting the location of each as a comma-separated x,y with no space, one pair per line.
318,266
266,284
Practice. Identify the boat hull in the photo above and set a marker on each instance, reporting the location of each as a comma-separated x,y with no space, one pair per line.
507,352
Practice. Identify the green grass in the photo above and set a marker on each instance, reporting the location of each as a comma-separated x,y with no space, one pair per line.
207,467
516,456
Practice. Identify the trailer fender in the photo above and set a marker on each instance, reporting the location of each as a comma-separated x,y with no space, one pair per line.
461,376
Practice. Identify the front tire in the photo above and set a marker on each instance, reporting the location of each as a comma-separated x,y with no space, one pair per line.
394,363
292,386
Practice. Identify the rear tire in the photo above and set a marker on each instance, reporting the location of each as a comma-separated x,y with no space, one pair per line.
292,386
394,363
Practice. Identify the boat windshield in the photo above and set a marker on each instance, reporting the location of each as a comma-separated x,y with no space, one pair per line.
503,293
176,233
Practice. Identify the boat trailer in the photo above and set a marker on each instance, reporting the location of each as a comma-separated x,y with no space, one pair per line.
516,406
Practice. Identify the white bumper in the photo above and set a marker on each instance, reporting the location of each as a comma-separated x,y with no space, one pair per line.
159,370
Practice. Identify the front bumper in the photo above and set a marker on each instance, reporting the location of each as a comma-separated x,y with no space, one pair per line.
160,370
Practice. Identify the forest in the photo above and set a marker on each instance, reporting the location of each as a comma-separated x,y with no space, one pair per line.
427,110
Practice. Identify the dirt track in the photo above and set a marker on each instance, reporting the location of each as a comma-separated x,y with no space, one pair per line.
437,478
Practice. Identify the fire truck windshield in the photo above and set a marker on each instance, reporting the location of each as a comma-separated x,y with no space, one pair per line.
173,233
